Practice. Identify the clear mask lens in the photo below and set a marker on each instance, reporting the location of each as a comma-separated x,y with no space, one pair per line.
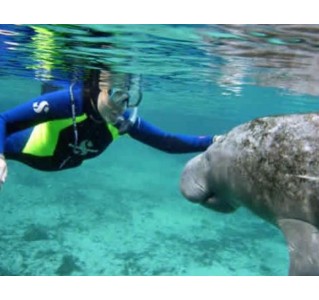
132,90
119,97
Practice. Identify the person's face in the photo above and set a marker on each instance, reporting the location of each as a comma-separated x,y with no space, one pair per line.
108,109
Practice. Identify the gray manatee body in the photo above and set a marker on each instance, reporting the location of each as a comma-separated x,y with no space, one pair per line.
271,166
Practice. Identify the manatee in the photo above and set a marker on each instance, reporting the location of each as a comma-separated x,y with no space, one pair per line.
269,165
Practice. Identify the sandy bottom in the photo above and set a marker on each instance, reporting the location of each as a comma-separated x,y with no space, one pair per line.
122,214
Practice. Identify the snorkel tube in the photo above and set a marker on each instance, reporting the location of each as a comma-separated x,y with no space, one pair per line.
133,86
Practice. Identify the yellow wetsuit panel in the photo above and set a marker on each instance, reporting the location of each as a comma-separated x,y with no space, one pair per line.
45,136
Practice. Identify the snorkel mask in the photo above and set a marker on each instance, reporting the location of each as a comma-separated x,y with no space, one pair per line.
130,98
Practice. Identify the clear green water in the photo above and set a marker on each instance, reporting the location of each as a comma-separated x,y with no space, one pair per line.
122,213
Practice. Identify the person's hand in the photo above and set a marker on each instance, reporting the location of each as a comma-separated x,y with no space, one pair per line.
216,138
3,170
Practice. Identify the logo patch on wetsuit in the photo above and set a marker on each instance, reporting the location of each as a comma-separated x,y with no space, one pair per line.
42,106
84,148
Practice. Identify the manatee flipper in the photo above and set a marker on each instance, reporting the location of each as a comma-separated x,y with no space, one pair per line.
303,242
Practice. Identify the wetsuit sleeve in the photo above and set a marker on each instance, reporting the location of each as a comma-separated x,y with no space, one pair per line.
168,142
44,108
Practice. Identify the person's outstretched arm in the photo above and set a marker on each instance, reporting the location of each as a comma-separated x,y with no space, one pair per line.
168,142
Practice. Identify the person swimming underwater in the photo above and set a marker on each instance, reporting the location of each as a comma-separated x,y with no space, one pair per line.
60,129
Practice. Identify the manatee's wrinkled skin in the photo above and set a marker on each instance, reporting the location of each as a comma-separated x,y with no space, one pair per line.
271,166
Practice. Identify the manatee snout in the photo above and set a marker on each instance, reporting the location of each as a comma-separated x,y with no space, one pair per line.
193,180
197,186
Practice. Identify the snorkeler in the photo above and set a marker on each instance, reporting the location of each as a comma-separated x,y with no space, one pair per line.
60,129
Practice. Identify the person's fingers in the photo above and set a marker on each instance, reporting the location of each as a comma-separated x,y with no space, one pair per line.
3,174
